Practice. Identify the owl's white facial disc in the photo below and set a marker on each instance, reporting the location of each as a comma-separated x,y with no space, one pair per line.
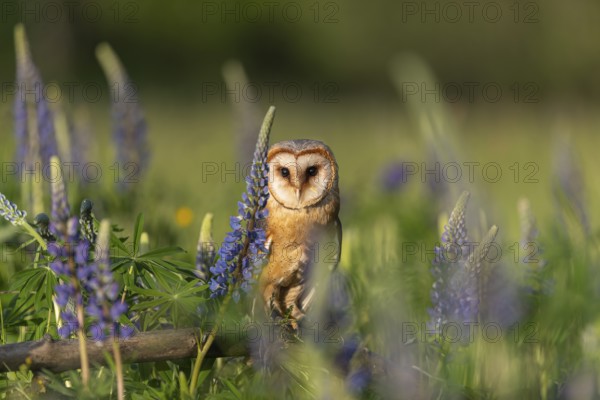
298,180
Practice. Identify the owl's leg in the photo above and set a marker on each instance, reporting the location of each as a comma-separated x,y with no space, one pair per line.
283,303
292,299
271,295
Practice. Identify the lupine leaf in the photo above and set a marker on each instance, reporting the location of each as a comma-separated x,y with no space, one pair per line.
137,232
161,252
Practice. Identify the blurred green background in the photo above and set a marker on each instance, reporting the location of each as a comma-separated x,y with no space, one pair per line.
542,55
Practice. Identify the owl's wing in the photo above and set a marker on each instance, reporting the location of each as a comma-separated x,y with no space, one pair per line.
338,239
268,242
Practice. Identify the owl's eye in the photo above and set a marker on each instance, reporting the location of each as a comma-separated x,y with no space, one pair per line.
312,171
285,172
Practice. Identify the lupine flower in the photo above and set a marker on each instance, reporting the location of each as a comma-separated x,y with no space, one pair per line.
104,304
477,260
528,227
358,380
205,255
70,257
393,176
569,184
81,134
70,254
456,292
60,206
247,117
129,124
244,246
530,250
34,126
10,212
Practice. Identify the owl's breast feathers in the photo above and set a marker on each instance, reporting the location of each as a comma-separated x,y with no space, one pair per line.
299,237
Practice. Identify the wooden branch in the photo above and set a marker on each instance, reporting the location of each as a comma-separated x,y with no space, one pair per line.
63,355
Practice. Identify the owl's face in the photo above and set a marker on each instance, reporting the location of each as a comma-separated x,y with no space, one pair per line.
301,172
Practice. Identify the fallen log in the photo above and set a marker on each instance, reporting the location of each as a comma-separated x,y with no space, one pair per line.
63,355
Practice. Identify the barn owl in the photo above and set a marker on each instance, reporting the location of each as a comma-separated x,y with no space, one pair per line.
303,229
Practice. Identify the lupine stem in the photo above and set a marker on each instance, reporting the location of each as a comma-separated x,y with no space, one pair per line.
119,368
33,233
2,337
85,367
209,341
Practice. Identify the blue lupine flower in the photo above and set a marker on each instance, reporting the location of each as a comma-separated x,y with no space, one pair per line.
129,124
69,324
81,135
358,380
70,256
10,212
60,206
454,291
104,304
532,261
246,113
63,293
457,290
345,354
244,247
36,142
394,176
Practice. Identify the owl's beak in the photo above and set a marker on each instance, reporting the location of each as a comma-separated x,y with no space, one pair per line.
297,191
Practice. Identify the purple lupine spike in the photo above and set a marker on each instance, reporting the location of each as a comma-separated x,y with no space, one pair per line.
60,206
454,294
34,125
242,248
104,304
454,239
569,186
81,134
533,262
394,176
67,263
129,123
246,113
